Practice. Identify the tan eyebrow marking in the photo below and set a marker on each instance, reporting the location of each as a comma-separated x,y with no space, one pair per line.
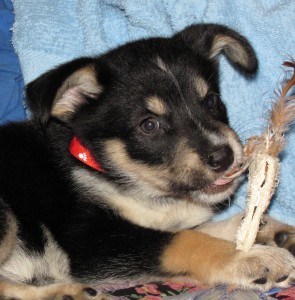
201,86
156,105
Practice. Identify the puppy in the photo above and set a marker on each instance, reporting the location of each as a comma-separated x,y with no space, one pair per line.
119,168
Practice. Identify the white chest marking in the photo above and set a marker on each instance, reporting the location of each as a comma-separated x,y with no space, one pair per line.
23,265
142,209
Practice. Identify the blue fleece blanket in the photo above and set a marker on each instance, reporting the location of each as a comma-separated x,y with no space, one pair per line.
49,32
11,82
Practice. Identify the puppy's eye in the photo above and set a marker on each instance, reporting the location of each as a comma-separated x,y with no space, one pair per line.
211,101
150,126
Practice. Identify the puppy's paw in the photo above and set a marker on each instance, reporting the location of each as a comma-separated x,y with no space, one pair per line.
286,239
77,292
10,291
262,268
275,233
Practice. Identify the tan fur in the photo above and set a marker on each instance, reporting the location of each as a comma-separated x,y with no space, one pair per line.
180,170
201,86
158,177
8,242
197,254
71,94
268,230
186,156
54,291
232,138
214,261
143,206
186,161
22,266
225,230
156,105
232,47
145,200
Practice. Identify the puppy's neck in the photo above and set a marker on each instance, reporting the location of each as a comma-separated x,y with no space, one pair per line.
140,206
83,154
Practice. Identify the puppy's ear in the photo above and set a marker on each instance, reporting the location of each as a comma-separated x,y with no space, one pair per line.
61,91
211,39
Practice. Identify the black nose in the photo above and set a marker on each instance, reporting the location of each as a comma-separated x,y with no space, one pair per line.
220,159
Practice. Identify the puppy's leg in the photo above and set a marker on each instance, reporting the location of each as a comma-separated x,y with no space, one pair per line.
225,230
8,232
50,292
275,233
271,232
12,290
214,261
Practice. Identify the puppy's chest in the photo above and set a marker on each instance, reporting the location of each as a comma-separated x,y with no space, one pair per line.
154,213
165,217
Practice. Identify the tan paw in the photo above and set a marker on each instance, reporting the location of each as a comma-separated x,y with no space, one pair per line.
77,292
275,233
10,291
262,268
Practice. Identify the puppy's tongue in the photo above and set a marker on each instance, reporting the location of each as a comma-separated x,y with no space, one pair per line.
222,181
231,175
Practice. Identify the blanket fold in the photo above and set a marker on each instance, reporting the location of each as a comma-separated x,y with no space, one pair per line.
49,32
11,81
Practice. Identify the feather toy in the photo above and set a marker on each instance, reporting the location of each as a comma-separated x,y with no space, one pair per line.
261,157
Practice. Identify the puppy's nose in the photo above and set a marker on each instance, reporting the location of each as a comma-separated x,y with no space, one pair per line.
220,159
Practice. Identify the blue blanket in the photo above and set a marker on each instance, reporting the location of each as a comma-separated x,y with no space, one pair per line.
11,81
49,32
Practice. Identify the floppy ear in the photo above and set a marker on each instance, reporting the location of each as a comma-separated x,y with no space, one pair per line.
61,91
211,39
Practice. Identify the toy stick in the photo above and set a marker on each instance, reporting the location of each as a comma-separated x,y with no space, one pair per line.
262,158
263,175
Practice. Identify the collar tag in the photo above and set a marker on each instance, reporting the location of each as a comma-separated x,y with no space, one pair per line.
83,154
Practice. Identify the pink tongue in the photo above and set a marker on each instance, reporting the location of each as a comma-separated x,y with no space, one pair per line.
222,181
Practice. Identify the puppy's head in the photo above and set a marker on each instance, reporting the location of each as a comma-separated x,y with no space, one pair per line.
150,112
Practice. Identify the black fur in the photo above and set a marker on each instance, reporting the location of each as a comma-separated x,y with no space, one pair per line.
36,166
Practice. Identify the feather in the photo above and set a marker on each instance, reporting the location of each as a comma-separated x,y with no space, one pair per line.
282,115
272,140
262,157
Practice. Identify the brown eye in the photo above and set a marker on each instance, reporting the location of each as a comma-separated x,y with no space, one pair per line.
211,101
150,126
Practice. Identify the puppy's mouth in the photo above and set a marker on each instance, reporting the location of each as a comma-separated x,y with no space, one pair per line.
219,186
226,181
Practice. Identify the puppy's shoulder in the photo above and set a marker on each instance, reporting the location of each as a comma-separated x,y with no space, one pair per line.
19,135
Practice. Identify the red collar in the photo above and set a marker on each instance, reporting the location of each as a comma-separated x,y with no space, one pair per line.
83,154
